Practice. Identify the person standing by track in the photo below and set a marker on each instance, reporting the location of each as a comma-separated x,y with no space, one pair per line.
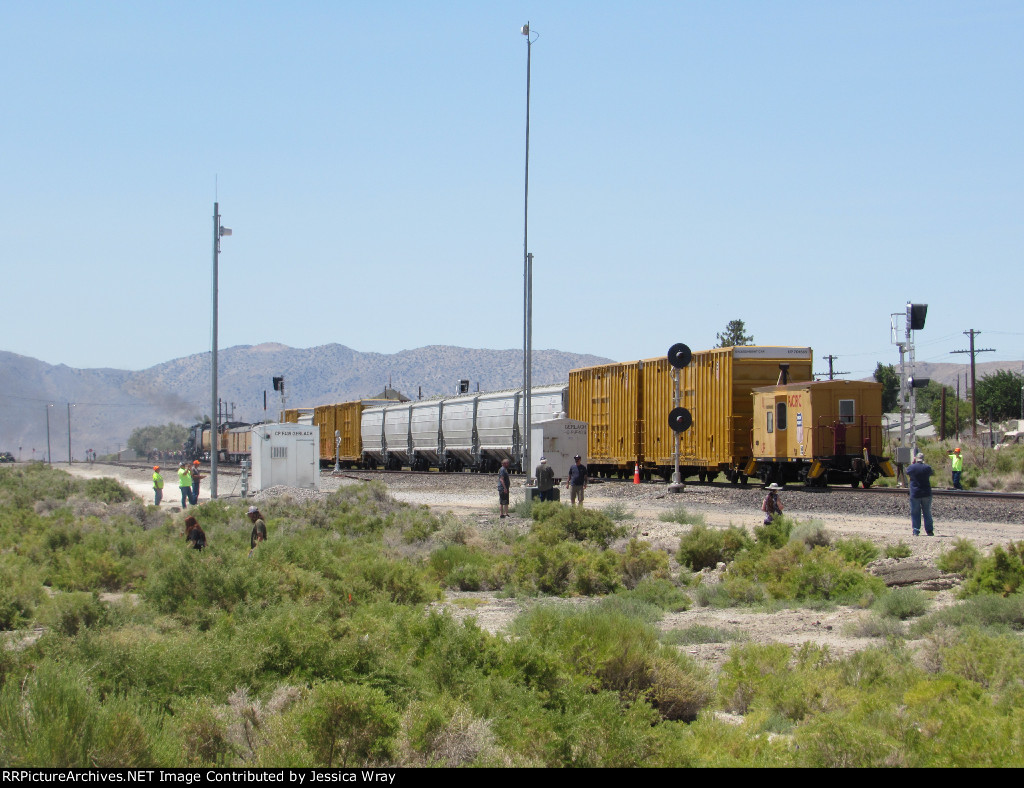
195,482
919,473
158,486
577,481
545,480
958,467
184,484
504,487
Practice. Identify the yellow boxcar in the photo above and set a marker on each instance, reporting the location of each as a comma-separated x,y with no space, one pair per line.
828,431
343,417
627,407
291,416
609,398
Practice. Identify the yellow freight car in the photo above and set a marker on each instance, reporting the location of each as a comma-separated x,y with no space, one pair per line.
822,432
342,418
627,407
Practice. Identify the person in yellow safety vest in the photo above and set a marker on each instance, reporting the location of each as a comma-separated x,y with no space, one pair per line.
184,484
158,485
958,468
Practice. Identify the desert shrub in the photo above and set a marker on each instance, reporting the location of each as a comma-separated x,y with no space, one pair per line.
205,740
53,719
703,547
462,567
660,592
107,490
984,610
701,633
554,524
678,514
444,732
350,725
416,524
68,613
793,572
902,603
1002,572
961,558
641,561
877,626
743,674
712,595
899,550
993,660
538,567
678,692
811,534
775,533
617,511
856,550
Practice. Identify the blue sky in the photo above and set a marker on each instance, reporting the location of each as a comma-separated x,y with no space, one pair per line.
807,167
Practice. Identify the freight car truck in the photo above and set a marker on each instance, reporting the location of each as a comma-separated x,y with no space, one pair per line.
627,407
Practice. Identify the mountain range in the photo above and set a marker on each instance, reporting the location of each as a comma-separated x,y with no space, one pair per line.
105,405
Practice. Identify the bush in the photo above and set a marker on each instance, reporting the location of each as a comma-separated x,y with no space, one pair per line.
641,561
961,558
617,511
701,633
556,523
811,534
107,490
350,725
703,547
899,550
984,610
902,603
775,533
1000,573
857,551
659,592
679,515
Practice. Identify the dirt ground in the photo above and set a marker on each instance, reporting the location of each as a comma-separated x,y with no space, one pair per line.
475,501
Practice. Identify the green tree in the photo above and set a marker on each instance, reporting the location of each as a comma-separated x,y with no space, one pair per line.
890,380
168,437
735,334
1001,393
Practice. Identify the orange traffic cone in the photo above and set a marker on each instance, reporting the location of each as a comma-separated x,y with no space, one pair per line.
636,474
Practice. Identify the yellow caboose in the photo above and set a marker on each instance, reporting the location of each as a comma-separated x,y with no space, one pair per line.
821,432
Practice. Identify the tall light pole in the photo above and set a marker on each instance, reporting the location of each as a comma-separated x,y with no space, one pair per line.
69,433
527,273
49,461
218,233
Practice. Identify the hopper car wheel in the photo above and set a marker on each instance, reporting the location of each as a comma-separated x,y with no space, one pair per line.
712,475
743,478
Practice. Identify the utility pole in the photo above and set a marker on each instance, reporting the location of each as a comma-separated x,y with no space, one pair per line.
974,400
831,374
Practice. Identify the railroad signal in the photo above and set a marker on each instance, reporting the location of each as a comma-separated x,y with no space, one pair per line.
919,383
680,419
917,312
679,355
278,384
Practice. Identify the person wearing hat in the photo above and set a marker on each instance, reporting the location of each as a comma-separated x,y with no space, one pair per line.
259,528
577,481
958,467
158,486
195,482
919,474
504,486
771,505
184,484
545,480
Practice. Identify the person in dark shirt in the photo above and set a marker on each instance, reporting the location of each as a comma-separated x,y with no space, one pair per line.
259,528
545,480
504,485
919,475
577,481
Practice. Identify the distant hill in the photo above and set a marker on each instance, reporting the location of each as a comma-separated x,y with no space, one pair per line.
946,374
109,403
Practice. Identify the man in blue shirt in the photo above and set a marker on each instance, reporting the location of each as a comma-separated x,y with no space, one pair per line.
919,474
577,482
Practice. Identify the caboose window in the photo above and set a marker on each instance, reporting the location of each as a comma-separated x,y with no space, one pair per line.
771,421
780,415
846,411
